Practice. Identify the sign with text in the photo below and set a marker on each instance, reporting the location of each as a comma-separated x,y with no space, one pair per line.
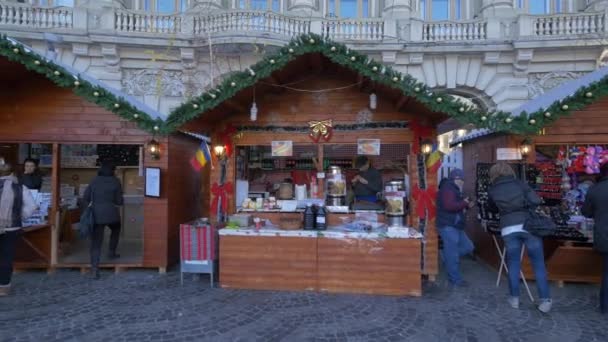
508,154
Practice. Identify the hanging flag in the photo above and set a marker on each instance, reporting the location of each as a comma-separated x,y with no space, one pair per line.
433,163
201,157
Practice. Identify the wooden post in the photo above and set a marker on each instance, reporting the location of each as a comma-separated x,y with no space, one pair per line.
55,204
320,164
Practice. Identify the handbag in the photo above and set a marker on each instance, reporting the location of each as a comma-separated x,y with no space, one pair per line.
538,223
87,220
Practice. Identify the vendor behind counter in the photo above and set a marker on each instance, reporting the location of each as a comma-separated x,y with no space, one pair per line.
367,183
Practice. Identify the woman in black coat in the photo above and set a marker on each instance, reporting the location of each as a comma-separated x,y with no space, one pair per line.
105,193
31,177
596,207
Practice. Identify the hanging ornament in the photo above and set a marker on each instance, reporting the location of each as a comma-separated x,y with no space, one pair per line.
251,72
212,95
417,89
375,68
156,128
311,41
461,109
508,120
56,73
272,61
37,62
135,115
290,50
353,58
589,94
253,112
195,106
95,93
373,101
395,79
484,118
76,83
548,114
333,49
565,107
116,105
16,50
532,121
233,84
320,129
566,186
439,100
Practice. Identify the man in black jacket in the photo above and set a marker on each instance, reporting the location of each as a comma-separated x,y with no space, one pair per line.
596,207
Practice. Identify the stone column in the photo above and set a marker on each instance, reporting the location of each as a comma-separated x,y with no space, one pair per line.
303,7
401,9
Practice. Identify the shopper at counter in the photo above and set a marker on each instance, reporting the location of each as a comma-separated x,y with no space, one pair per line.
451,206
596,207
513,199
31,177
368,182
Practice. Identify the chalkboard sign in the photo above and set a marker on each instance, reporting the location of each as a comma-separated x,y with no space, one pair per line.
119,155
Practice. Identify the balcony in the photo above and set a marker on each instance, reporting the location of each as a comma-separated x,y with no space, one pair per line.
245,24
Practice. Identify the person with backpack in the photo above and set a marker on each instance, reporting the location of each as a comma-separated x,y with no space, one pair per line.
104,194
596,207
16,204
513,200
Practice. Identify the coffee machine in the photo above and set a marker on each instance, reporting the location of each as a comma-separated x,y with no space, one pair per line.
336,187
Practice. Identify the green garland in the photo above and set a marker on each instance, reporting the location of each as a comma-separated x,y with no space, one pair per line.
498,121
338,127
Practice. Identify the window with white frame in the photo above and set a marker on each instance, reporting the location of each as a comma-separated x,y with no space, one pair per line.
261,5
348,8
53,3
542,6
441,9
164,6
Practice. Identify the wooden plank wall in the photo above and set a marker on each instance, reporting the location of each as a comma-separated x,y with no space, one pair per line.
589,125
37,111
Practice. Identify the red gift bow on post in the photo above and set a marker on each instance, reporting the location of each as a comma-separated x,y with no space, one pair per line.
420,132
425,201
220,191
226,138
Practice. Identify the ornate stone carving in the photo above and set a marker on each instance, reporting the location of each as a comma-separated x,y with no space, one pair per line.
139,82
539,83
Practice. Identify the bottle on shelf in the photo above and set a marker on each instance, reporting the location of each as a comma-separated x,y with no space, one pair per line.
309,217
321,216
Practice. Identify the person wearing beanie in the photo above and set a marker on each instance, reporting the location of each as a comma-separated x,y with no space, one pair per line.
451,206
16,204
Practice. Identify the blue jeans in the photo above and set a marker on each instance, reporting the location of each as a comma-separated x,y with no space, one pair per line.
534,246
456,244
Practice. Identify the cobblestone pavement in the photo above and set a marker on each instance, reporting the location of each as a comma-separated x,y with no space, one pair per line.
143,306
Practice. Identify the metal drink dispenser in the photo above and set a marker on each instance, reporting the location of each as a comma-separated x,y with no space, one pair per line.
336,187
396,203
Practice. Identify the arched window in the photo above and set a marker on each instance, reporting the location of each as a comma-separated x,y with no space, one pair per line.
348,8
272,5
441,9
164,6
542,6
53,3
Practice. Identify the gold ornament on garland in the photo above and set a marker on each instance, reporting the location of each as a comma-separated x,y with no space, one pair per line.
212,95
311,41
532,121
353,58
439,99
15,50
116,105
290,50
195,106
320,129
76,83
484,118
375,68
233,84
156,128
37,62
395,79
548,114
95,93
272,61
565,107
589,94
333,49
135,115
461,109
56,73
417,89
508,120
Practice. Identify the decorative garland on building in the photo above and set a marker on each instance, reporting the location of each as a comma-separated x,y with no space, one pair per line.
499,121
338,127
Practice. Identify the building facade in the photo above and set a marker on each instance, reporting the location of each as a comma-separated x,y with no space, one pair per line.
497,53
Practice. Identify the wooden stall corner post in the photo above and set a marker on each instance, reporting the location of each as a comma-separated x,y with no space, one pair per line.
55,205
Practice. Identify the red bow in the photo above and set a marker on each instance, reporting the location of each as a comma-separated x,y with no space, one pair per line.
220,191
226,138
425,201
420,132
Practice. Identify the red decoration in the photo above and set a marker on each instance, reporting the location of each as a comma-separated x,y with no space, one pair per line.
220,191
225,138
425,201
420,132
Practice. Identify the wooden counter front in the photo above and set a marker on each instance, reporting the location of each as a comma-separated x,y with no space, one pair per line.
301,260
268,263
384,266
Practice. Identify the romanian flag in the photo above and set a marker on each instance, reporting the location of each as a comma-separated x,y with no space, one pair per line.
202,157
433,162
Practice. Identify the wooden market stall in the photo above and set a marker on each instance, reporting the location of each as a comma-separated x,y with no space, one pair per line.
320,106
560,166
41,112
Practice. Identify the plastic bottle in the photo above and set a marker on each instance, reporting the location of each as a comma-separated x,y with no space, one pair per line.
321,219
309,217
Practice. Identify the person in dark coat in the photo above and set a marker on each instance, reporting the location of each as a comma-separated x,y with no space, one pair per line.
105,193
513,199
596,207
368,182
451,206
31,177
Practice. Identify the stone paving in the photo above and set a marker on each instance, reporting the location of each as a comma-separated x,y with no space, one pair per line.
141,305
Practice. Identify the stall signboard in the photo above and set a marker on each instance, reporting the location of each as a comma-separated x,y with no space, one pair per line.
370,147
282,148
508,154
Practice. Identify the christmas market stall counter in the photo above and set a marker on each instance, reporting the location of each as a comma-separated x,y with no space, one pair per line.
378,262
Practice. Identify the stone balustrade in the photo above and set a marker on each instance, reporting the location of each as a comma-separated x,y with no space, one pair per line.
454,31
368,29
569,24
250,21
146,22
22,15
